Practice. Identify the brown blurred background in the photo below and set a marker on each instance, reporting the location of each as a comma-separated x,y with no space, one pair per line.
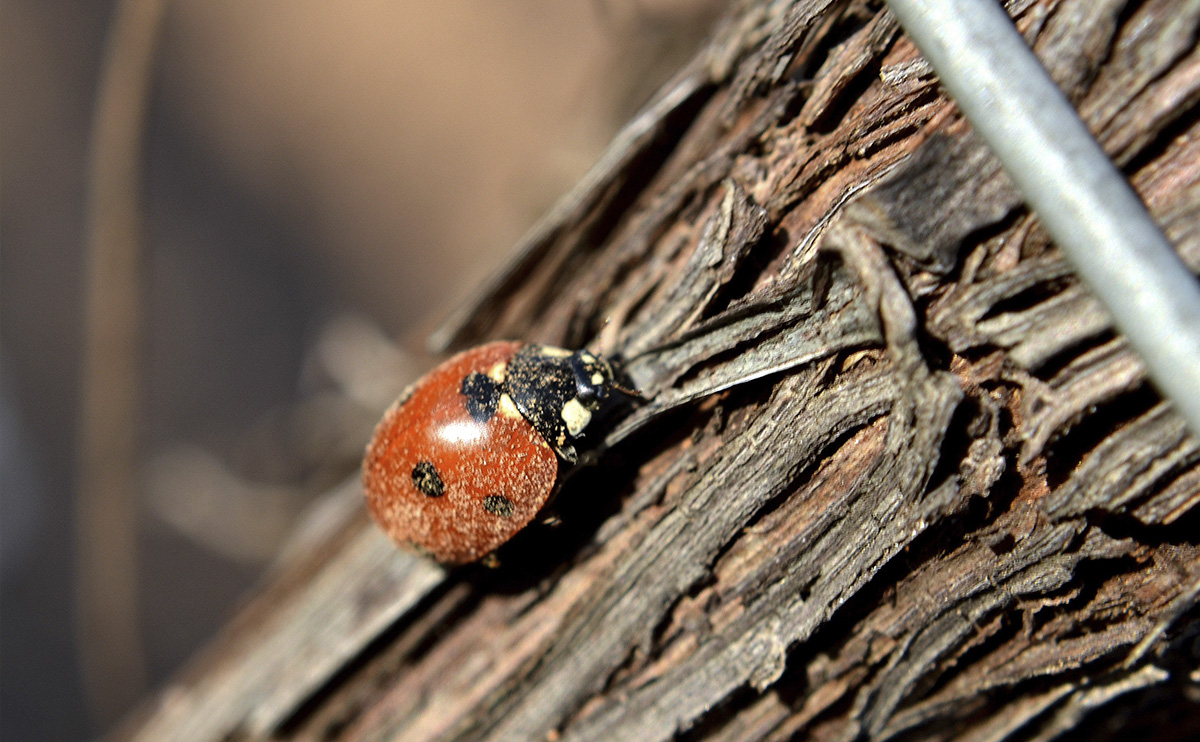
319,179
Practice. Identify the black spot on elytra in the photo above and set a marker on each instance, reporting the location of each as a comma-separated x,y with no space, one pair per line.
498,505
482,395
427,479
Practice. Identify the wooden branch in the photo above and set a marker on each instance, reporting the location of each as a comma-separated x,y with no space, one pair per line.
897,475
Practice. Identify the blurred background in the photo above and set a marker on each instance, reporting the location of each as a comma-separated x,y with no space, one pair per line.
318,183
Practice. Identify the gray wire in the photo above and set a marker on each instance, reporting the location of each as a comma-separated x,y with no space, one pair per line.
1081,198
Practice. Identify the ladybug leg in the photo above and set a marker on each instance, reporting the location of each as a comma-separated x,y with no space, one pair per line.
589,457
567,453
490,560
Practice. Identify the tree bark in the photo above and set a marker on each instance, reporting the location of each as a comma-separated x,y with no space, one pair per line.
896,475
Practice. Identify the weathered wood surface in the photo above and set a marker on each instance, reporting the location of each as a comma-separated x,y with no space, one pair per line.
940,501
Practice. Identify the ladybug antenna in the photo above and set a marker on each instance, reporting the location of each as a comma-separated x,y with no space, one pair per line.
619,380
628,391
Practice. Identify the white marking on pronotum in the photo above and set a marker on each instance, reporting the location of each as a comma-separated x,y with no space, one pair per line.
576,416
508,408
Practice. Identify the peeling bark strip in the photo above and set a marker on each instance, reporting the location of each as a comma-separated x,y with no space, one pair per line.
947,506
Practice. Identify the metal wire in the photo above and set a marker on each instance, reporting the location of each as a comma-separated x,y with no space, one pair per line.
1081,198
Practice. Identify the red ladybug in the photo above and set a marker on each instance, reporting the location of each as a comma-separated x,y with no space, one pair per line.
469,454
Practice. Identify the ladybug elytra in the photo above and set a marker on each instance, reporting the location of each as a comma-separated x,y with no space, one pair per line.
470,453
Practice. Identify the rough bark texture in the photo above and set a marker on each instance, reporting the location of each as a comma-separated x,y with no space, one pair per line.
897,476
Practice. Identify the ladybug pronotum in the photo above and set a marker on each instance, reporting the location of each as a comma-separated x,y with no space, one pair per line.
470,453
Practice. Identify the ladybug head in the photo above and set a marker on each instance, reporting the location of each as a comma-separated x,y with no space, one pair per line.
593,379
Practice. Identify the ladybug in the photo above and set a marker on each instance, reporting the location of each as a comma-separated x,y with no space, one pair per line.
470,453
